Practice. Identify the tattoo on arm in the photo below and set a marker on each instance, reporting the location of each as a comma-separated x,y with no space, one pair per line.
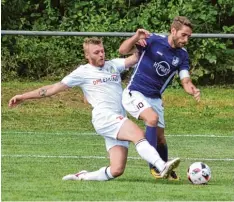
42,92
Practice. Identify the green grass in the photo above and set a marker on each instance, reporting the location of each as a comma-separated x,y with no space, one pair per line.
43,140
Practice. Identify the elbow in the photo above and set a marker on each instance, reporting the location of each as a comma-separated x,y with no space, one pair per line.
122,51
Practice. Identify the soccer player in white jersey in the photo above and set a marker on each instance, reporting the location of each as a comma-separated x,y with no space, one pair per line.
101,84
160,59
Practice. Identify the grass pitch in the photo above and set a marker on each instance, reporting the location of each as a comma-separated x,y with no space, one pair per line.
43,140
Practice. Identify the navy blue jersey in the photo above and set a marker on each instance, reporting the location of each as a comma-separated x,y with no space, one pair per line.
158,64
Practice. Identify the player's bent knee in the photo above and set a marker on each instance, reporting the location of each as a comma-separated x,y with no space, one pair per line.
152,121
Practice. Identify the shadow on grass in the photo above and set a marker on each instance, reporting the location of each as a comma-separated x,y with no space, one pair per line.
160,181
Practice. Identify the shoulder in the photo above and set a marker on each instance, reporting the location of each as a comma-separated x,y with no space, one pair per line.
82,67
184,52
158,36
115,62
115,65
79,69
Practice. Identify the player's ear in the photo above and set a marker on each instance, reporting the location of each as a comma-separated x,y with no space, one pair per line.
173,31
86,55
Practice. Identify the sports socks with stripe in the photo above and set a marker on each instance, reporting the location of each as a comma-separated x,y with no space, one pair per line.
149,153
102,174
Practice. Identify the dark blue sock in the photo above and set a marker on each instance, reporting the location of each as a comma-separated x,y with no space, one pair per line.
151,136
163,151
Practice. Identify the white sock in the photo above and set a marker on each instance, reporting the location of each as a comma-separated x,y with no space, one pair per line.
102,174
149,153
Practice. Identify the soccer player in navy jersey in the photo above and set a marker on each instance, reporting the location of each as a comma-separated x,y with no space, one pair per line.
161,57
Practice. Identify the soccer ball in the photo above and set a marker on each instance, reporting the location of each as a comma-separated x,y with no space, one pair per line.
199,173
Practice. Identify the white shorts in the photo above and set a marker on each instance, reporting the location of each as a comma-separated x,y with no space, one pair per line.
135,103
108,124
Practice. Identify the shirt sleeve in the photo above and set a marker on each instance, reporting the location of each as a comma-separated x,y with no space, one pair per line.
119,64
184,74
185,64
184,67
75,78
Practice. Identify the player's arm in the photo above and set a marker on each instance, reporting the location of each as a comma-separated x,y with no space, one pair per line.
188,86
128,46
44,91
131,60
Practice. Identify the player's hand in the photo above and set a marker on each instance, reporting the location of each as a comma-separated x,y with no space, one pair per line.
141,42
196,94
14,101
142,35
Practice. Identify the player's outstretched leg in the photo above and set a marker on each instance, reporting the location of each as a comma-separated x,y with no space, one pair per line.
76,176
118,158
102,174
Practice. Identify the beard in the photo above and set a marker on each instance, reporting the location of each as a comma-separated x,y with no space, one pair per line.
178,44
101,63
98,63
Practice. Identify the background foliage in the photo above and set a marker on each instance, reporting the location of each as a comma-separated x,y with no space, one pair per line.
34,57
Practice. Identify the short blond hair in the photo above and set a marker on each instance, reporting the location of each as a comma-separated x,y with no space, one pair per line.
92,40
180,21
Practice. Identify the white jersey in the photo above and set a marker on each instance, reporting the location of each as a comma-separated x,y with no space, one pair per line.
103,90
101,85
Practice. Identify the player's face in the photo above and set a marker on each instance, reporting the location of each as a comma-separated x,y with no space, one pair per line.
96,55
181,37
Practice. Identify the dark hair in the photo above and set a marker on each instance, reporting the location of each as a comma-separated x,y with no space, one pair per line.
180,21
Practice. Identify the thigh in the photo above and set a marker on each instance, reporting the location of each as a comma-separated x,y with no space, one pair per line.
134,102
129,131
112,142
118,157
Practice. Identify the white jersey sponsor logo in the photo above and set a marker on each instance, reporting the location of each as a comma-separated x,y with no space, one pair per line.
111,78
